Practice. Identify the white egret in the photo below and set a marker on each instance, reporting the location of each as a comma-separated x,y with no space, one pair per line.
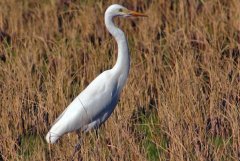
95,104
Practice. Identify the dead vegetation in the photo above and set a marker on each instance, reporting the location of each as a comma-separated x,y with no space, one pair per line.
182,98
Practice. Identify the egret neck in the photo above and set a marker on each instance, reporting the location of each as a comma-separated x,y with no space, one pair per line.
123,59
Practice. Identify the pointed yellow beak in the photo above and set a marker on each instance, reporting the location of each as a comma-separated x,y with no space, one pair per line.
136,14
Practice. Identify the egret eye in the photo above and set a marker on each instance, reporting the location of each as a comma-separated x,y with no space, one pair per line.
120,10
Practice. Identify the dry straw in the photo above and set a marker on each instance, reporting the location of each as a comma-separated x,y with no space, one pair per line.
182,98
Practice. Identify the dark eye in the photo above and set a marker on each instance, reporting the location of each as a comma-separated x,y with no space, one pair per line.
120,10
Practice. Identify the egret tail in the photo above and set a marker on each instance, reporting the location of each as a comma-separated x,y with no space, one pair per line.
51,137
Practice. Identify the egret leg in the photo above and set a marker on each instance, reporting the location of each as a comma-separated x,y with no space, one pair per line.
97,134
77,147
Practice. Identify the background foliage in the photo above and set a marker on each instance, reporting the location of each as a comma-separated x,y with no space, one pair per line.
182,98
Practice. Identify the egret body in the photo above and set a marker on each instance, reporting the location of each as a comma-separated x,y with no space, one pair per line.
96,102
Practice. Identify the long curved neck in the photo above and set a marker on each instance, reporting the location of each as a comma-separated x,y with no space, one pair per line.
123,60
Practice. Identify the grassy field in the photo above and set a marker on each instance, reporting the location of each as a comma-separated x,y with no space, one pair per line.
182,98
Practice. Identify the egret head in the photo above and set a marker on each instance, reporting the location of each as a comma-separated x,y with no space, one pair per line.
118,10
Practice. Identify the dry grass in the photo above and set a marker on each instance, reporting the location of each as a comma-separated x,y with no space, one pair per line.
182,98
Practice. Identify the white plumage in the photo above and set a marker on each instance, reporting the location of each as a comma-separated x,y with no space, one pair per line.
95,104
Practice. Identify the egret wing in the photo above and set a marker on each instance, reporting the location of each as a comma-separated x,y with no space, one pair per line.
90,105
